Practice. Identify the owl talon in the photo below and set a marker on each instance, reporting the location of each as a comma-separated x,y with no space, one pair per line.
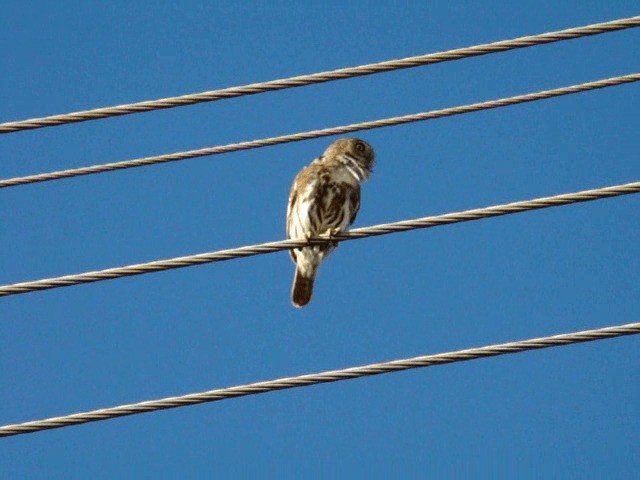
332,232
308,238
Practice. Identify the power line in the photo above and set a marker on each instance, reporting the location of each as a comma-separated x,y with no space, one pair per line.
296,137
323,377
260,249
321,77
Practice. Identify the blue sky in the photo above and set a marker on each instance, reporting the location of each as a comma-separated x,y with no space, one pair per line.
567,412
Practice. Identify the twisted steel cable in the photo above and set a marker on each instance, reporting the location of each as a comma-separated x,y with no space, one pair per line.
270,247
318,378
296,137
321,77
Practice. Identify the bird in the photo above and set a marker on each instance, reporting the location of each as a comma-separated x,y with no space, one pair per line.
324,199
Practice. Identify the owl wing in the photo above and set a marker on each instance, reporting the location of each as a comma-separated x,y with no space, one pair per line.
293,196
304,177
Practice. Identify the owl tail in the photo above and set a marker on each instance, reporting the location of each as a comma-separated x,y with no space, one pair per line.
302,289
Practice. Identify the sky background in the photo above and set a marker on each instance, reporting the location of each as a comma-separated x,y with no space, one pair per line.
567,412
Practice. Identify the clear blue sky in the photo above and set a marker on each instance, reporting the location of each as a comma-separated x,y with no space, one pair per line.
567,412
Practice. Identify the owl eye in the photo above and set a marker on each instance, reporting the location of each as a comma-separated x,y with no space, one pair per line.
360,147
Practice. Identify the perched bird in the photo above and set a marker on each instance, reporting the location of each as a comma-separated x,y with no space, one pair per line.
324,198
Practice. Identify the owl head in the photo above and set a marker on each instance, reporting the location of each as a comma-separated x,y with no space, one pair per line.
357,149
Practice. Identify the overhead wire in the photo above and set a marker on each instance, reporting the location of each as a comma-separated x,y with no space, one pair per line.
382,229
295,137
321,77
270,247
319,378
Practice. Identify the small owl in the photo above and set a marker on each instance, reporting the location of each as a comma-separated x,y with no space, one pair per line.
324,198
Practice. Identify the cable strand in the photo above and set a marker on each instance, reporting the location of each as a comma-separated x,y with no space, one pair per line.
358,233
296,137
321,77
319,378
